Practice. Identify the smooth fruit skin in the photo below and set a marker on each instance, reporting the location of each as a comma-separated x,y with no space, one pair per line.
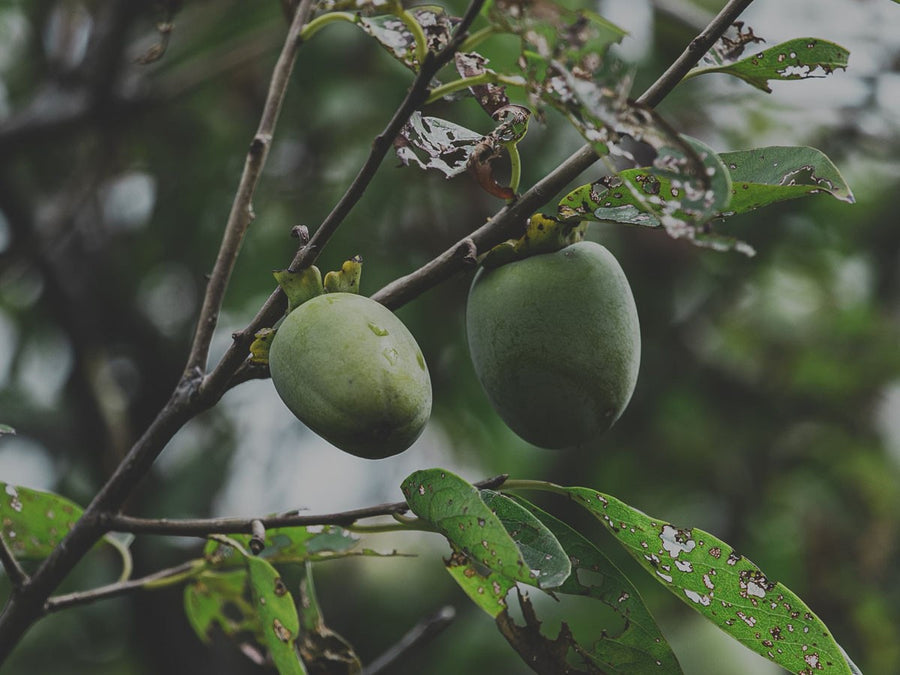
556,343
352,372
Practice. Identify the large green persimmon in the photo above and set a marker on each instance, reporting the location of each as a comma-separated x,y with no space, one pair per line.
555,342
349,369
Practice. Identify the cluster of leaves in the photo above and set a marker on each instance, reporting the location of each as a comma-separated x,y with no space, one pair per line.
656,177
258,591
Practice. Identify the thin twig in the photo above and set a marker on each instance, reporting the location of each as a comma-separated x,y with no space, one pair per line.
59,602
17,576
427,629
241,214
204,527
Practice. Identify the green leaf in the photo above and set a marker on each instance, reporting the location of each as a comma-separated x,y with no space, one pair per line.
797,59
34,522
637,646
539,548
278,618
721,585
455,509
486,588
764,176
6,429
207,597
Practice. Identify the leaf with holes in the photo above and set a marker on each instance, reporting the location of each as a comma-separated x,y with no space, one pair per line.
397,38
797,59
539,548
660,195
723,586
446,146
637,646
218,599
455,509
764,176
278,620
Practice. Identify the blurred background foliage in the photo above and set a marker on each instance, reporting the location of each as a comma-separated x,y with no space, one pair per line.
768,405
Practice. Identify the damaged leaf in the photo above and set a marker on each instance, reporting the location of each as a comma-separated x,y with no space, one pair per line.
396,37
664,194
764,176
491,97
486,588
541,653
279,624
455,509
637,645
446,146
722,585
797,59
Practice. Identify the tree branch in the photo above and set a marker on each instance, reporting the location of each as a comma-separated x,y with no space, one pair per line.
14,571
241,214
68,600
509,220
27,605
204,527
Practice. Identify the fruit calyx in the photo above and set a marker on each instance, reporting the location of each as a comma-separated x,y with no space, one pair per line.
543,234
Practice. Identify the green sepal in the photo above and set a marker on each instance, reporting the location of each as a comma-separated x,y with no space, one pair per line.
299,286
259,349
346,279
543,234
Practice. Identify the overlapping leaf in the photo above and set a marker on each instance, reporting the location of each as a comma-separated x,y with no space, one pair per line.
764,176
796,59
637,646
660,195
723,586
539,547
455,509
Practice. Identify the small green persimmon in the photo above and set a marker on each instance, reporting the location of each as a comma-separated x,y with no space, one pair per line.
349,369
556,343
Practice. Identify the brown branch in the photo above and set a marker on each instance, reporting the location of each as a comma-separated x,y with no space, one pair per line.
241,214
27,605
204,527
68,600
14,571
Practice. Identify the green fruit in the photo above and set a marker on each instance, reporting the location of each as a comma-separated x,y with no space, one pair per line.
555,342
352,372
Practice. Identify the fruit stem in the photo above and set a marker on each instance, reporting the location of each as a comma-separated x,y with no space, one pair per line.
542,485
